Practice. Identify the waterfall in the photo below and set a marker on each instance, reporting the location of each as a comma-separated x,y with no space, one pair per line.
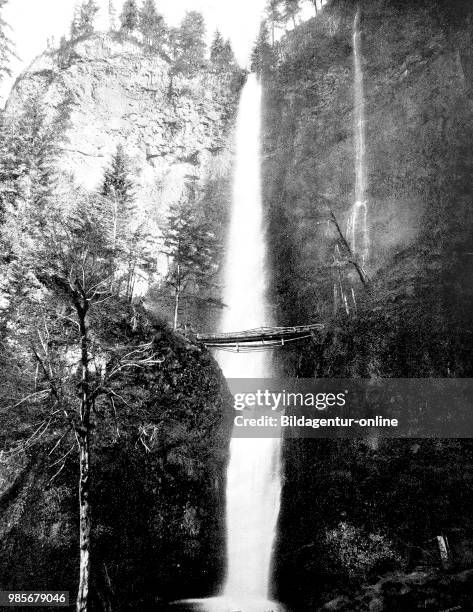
357,227
253,479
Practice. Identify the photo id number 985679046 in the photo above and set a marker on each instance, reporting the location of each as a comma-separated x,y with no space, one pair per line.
34,598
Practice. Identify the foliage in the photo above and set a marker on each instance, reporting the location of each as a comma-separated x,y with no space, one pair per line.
263,57
222,57
192,247
151,25
357,553
30,145
117,183
291,9
6,45
84,17
188,44
129,17
64,53
159,535
132,242
112,15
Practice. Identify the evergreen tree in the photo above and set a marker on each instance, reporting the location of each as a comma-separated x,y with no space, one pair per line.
192,248
291,9
318,5
75,24
30,144
129,17
274,11
190,43
131,241
112,16
84,18
262,57
64,53
151,24
88,14
222,57
216,48
119,189
6,46
228,57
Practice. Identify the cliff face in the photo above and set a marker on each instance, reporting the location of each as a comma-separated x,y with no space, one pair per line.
345,503
416,62
119,93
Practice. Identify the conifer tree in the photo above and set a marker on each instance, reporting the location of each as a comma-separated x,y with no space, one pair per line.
222,57
151,24
291,9
75,24
274,11
228,53
6,45
88,14
30,144
131,241
189,42
112,16
118,187
262,57
129,17
84,18
64,53
192,248
216,48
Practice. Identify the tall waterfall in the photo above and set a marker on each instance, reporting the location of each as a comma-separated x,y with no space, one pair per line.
357,228
253,479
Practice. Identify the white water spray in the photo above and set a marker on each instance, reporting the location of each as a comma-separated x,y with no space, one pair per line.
357,227
253,478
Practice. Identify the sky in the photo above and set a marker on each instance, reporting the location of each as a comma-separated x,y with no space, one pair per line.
33,22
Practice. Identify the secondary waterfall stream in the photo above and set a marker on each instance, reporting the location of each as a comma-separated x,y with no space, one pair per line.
357,227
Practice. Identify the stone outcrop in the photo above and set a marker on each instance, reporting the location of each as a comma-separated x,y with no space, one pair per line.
119,93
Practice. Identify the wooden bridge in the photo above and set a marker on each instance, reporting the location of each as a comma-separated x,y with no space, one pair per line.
261,338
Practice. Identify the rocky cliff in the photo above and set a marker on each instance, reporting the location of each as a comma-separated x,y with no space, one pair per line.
175,130
352,513
416,61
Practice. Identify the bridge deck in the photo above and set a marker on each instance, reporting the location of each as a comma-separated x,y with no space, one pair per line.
271,336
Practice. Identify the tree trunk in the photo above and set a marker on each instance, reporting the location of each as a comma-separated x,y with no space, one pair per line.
176,308
83,438
177,296
84,524
115,220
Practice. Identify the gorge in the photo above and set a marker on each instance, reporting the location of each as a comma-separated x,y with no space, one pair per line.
362,114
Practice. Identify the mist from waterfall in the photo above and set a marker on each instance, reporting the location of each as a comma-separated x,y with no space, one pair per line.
253,478
357,227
